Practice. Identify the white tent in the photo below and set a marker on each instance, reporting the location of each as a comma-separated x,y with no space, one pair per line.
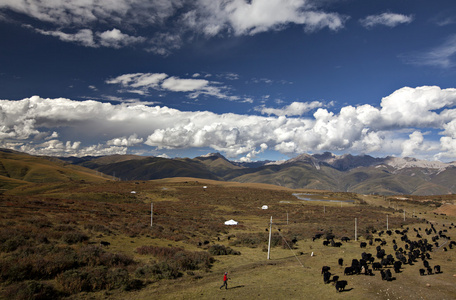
231,222
264,207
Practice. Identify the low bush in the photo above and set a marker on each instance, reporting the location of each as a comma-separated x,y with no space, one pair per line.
12,243
163,252
31,290
254,240
158,271
95,256
92,279
222,250
74,237
187,260
181,259
72,281
133,285
98,228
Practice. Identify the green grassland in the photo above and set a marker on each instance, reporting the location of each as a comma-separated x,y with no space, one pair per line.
50,237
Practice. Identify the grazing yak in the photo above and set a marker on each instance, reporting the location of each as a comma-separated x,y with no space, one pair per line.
340,285
426,264
386,275
341,262
325,269
376,266
397,266
327,277
437,269
349,271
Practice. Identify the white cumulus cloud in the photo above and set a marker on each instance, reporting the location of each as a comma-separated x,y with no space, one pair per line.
399,126
294,109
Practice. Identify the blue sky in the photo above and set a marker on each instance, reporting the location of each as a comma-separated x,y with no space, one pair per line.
253,80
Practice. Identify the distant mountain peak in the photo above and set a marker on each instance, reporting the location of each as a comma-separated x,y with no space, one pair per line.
305,158
214,154
409,162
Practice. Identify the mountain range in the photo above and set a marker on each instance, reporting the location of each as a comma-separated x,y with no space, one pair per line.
348,173
342,173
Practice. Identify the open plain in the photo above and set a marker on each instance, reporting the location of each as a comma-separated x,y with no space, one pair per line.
81,240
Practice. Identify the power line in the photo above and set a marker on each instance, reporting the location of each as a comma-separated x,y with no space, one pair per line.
285,240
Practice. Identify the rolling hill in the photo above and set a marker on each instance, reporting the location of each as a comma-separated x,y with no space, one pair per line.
345,173
18,169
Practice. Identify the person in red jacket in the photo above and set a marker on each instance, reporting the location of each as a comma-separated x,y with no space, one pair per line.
225,281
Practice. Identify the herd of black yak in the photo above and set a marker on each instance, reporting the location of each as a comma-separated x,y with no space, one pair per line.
406,252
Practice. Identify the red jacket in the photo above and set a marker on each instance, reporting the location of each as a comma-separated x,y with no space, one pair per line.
225,277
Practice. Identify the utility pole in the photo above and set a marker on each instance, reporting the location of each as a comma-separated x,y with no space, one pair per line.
269,243
356,229
151,214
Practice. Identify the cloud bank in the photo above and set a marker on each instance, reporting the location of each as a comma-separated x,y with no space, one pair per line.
67,127
166,23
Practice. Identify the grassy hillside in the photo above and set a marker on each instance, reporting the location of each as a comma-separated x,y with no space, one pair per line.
19,168
156,168
218,165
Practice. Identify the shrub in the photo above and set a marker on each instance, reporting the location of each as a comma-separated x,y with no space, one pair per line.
64,228
163,252
92,279
161,270
98,228
187,260
115,259
166,270
12,243
74,237
40,222
55,261
117,278
31,290
90,255
222,250
182,259
95,256
144,271
11,271
255,239
134,285
72,281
